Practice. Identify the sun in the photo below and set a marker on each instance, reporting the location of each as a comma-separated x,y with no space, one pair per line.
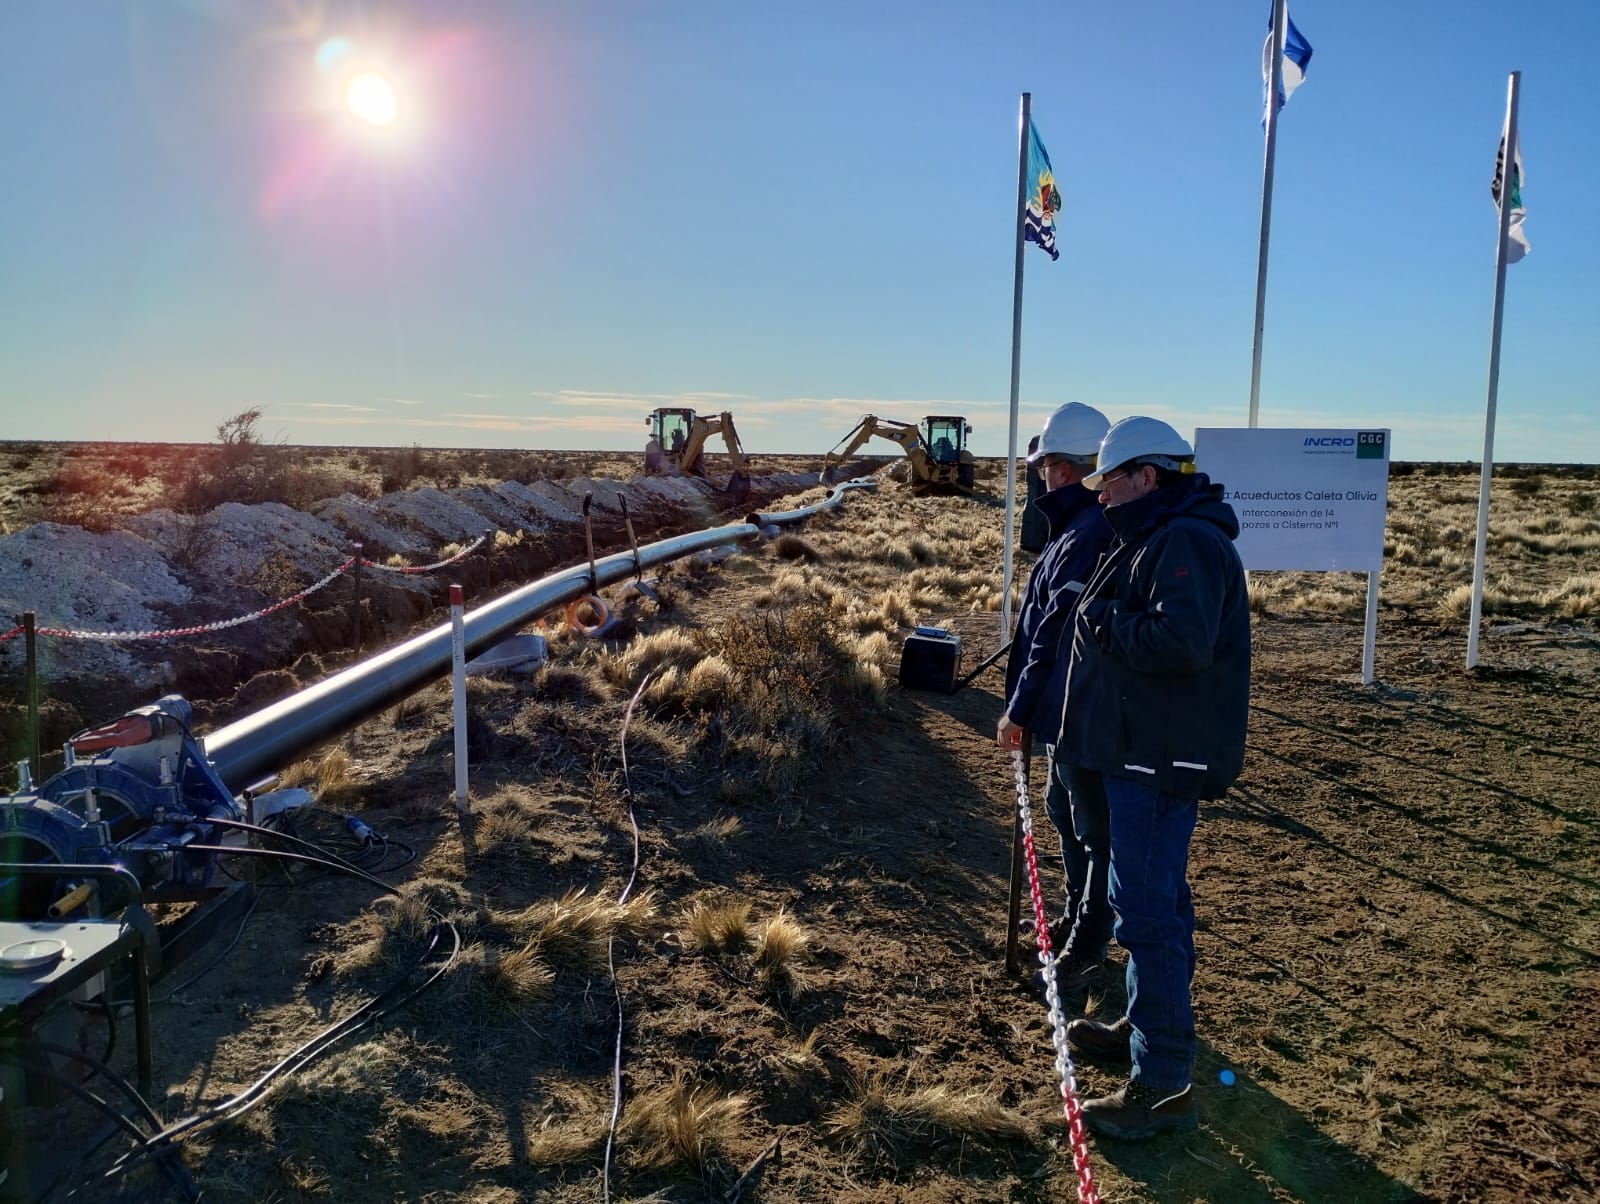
371,98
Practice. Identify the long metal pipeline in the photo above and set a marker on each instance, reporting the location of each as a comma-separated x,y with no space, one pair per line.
247,750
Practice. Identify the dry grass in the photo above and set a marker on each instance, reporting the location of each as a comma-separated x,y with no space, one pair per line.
791,547
798,1063
576,928
715,926
571,1126
782,949
324,775
896,1126
682,1125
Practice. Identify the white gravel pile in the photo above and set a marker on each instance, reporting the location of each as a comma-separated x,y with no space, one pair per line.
78,580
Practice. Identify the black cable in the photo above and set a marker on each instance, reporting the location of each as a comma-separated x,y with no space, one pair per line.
390,999
101,1068
174,1169
216,961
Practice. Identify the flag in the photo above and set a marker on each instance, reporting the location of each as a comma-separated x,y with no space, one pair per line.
1296,59
1044,200
1516,240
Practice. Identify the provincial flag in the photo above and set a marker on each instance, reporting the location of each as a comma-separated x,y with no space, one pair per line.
1043,200
1296,59
1516,239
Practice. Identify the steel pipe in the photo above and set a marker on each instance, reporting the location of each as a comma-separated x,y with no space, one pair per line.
794,516
245,751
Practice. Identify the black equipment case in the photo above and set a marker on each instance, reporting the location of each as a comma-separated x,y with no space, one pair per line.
931,660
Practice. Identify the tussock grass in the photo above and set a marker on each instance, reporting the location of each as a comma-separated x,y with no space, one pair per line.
682,1125
782,948
575,929
798,1063
671,647
329,776
512,979
1576,598
792,547
715,925
408,708
1457,604
572,1125
896,1126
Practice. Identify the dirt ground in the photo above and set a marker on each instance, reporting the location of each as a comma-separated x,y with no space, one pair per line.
1398,909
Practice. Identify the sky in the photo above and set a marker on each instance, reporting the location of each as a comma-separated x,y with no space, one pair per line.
800,214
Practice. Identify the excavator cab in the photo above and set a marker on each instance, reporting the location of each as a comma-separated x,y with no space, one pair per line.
945,438
677,444
670,429
950,463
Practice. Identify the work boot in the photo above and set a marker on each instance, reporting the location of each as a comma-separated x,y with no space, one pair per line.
1137,1111
1105,1042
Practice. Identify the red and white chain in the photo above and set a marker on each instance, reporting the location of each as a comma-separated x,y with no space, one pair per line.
1087,1193
428,568
221,625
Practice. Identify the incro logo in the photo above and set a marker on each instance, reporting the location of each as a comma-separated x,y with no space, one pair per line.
1330,441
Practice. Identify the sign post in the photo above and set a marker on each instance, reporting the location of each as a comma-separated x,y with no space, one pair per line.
1312,500
458,666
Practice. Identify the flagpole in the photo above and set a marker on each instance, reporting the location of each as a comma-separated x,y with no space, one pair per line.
1274,83
1016,366
1508,166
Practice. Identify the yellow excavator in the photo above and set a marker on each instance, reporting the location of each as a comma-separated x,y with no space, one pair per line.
937,450
677,444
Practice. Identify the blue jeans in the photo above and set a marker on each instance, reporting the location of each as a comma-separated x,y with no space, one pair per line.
1150,833
1076,803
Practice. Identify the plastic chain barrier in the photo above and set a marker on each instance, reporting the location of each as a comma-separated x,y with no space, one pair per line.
428,568
12,634
113,636
1087,1193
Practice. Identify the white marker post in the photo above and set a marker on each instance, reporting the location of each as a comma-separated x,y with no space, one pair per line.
458,663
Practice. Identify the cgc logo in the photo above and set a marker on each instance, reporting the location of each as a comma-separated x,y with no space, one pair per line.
1371,445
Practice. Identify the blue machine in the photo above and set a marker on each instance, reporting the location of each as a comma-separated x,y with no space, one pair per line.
133,793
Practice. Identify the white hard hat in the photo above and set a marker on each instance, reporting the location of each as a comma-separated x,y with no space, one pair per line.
1073,430
1147,440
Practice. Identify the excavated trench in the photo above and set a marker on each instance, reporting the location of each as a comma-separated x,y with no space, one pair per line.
128,581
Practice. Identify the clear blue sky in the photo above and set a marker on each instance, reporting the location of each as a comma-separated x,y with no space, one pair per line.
800,213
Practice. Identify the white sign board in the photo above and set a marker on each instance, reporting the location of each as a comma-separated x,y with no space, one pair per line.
1306,499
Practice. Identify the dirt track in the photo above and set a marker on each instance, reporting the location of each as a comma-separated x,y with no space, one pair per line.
1399,910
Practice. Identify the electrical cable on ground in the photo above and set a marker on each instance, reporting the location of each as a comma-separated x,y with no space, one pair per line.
616,1064
1087,1193
386,1001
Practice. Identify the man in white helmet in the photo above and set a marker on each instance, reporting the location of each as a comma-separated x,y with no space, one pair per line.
1157,694
1036,679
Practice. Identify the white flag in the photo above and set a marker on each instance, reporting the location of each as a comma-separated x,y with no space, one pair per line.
1516,239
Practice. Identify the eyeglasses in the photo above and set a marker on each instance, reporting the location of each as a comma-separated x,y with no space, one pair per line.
1045,465
1117,476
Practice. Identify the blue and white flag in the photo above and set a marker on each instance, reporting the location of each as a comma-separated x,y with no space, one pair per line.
1043,200
1296,59
1517,244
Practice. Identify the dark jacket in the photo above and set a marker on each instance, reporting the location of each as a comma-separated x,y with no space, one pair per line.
1158,680
1036,670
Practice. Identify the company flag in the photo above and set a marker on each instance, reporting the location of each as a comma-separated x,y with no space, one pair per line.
1516,238
1296,60
1044,200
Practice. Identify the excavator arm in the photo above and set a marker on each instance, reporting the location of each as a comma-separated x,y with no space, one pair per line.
903,433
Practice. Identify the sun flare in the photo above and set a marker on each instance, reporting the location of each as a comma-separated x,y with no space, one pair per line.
372,99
